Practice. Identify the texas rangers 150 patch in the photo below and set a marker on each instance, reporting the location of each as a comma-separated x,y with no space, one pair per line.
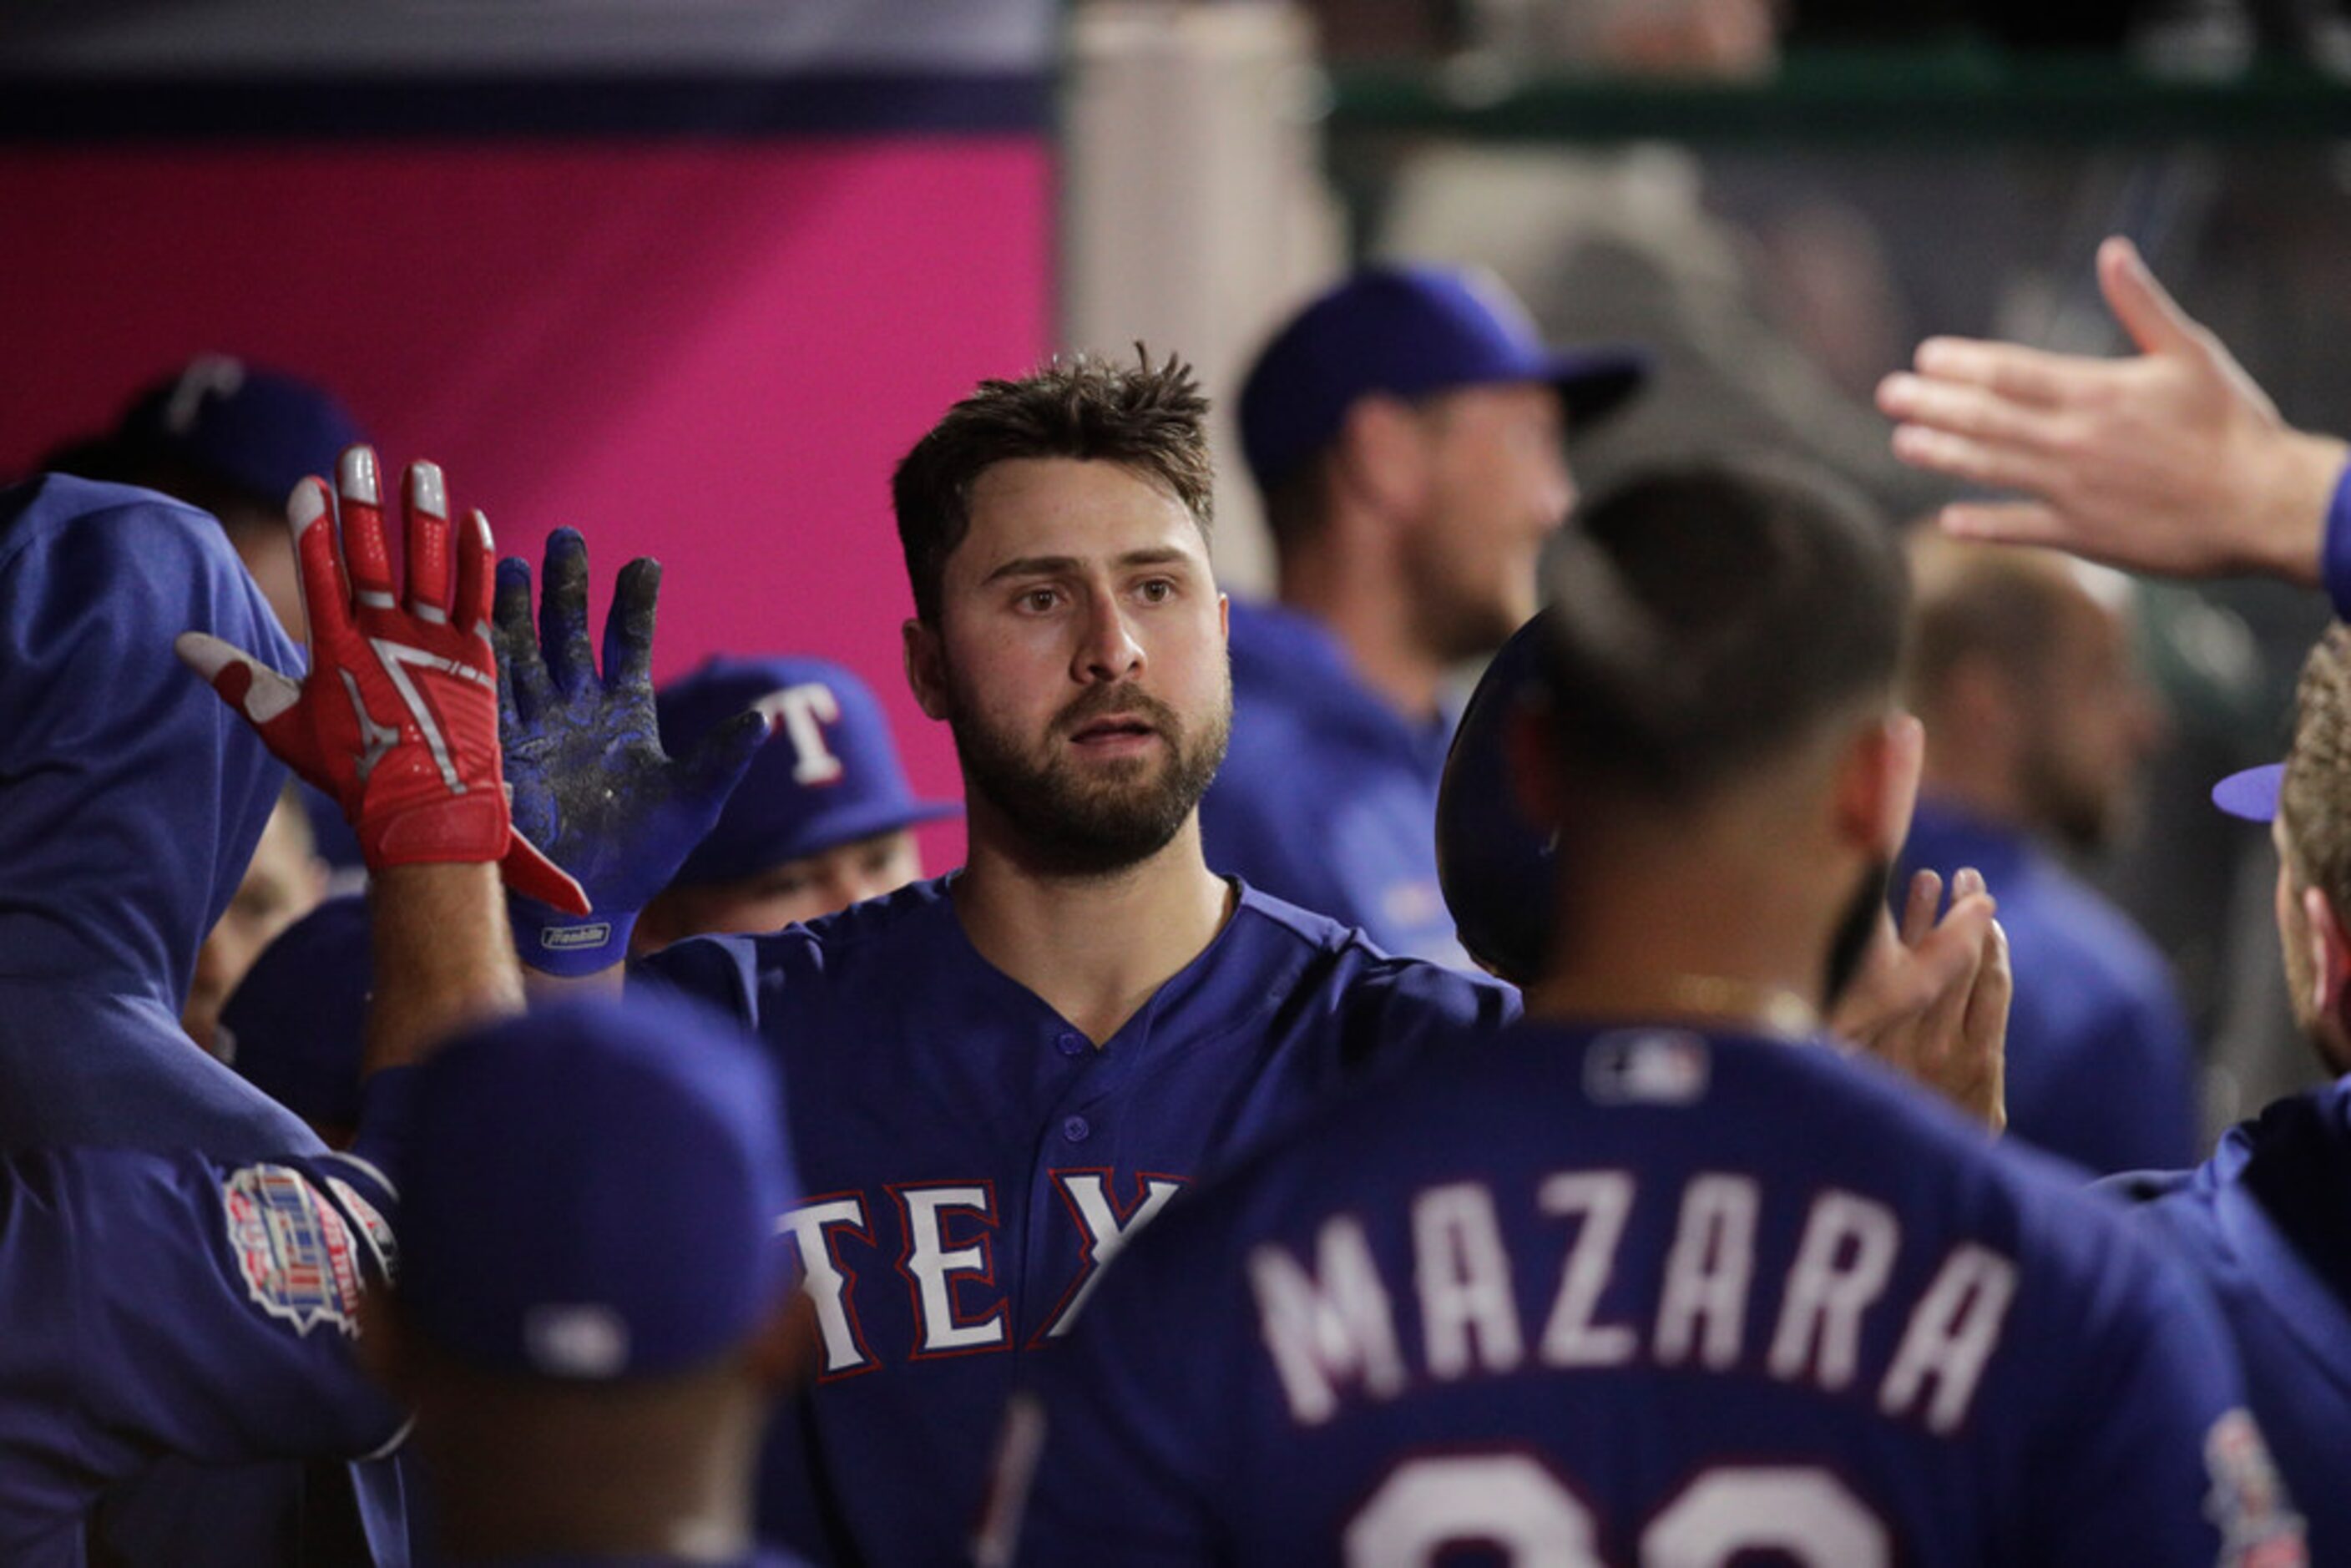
293,1248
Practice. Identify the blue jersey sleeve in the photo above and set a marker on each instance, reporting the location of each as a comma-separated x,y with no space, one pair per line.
2155,1458
720,972
171,1305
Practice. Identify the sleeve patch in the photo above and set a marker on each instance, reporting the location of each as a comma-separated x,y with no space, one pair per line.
372,1226
2259,1528
294,1249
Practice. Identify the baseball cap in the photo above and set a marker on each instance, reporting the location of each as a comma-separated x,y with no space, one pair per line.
2251,794
260,430
592,1191
828,775
1494,865
294,1026
1408,331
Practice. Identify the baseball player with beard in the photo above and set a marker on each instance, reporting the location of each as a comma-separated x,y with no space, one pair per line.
1667,1275
996,1076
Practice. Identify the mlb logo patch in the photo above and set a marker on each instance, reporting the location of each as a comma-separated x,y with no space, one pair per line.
1647,1067
292,1247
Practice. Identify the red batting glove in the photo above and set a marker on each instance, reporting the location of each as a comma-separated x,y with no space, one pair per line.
398,717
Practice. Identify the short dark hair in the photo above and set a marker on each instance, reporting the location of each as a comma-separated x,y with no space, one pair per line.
1710,615
2314,803
1150,419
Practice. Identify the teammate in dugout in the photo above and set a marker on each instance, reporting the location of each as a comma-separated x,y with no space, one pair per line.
1667,1275
2174,461
999,1075
996,1075
197,1275
1407,430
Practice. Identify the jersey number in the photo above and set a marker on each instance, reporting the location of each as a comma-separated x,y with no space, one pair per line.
1515,1505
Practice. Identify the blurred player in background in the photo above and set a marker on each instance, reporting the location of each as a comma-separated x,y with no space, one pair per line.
996,1076
2038,723
1407,430
283,882
233,439
823,820
1667,1275
2174,461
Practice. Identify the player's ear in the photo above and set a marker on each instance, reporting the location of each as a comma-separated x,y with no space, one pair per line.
1877,785
1382,454
2330,959
926,667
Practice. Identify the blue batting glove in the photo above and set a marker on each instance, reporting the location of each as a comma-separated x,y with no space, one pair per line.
590,784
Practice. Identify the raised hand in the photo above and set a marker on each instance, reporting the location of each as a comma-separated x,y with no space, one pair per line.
1932,997
590,782
397,718
2169,461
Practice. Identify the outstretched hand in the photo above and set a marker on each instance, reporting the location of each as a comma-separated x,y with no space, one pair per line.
590,782
1932,997
397,717
2170,461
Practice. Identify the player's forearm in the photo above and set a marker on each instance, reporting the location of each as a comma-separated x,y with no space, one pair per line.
444,959
2287,497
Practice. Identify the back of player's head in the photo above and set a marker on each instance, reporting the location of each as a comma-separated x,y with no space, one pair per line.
593,1194
1977,602
2314,795
1150,419
1705,617
828,774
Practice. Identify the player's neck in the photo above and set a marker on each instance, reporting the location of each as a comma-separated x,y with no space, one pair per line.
579,1482
1094,948
1368,608
1704,943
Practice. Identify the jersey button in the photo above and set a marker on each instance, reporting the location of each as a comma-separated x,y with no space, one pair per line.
1070,1042
1076,1129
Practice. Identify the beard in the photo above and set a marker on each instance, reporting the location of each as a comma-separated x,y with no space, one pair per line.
1849,944
1077,821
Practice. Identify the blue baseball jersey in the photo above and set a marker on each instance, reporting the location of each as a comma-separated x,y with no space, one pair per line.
172,1306
2101,1067
972,1160
1327,797
1643,1295
2265,1224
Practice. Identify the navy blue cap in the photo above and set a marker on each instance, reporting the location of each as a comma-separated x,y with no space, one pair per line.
828,774
1410,333
260,430
294,1026
1495,867
2251,794
593,1191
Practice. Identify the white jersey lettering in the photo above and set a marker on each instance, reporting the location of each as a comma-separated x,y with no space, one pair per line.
1841,1269
1467,1310
1707,1271
932,1266
1329,1326
1602,1198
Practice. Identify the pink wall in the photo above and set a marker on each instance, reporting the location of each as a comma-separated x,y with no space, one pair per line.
711,352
